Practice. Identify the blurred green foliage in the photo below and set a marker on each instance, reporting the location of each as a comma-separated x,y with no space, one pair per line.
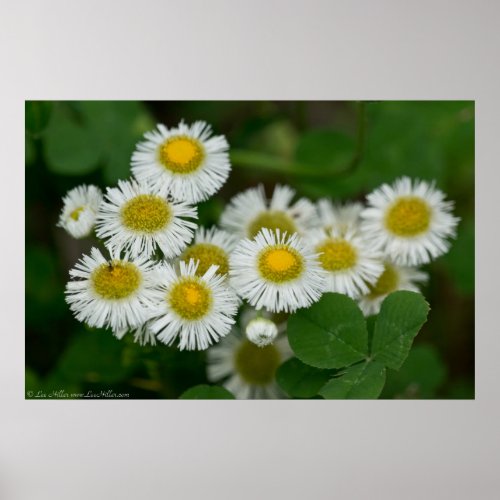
421,376
207,392
336,149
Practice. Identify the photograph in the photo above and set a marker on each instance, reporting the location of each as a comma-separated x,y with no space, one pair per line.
249,250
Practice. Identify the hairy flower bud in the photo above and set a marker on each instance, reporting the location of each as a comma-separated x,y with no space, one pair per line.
261,331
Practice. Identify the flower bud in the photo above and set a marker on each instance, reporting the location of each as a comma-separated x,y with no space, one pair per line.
261,331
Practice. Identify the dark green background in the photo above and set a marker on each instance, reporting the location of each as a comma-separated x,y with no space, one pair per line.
309,145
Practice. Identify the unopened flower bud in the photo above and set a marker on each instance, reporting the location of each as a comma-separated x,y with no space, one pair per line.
261,331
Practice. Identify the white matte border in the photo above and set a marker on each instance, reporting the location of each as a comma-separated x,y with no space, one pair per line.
263,49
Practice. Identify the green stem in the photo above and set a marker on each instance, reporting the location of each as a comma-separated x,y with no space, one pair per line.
269,163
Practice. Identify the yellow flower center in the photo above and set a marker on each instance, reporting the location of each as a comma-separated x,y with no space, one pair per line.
116,279
408,216
272,219
387,282
181,154
75,214
257,365
207,254
280,263
190,298
146,213
336,255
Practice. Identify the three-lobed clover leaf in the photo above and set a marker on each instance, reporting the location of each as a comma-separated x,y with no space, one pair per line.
299,380
401,316
330,334
333,334
361,381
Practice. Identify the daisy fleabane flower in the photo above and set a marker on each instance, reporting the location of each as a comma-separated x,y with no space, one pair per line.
139,217
143,335
409,221
187,159
245,369
199,310
115,293
261,331
392,279
210,247
339,217
351,265
80,206
250,211
276,272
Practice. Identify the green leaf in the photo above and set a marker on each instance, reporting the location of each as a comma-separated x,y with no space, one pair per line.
37,115
370,325
421,375
396,132
94,356
70,148
401,316
430,141
330,334
362,381
299,380
325,149
206,392
117,126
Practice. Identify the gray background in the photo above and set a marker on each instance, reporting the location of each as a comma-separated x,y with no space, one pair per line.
272,49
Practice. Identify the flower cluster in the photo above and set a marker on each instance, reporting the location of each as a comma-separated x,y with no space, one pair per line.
164,278
149,280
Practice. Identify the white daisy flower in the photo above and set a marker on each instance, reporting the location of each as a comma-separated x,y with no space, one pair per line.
409,221
261,331
351,265
143,335
392,279
337,216
277,272
210,247
80,206
192,164
249,212
113,293
248,371
139,217
199,310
